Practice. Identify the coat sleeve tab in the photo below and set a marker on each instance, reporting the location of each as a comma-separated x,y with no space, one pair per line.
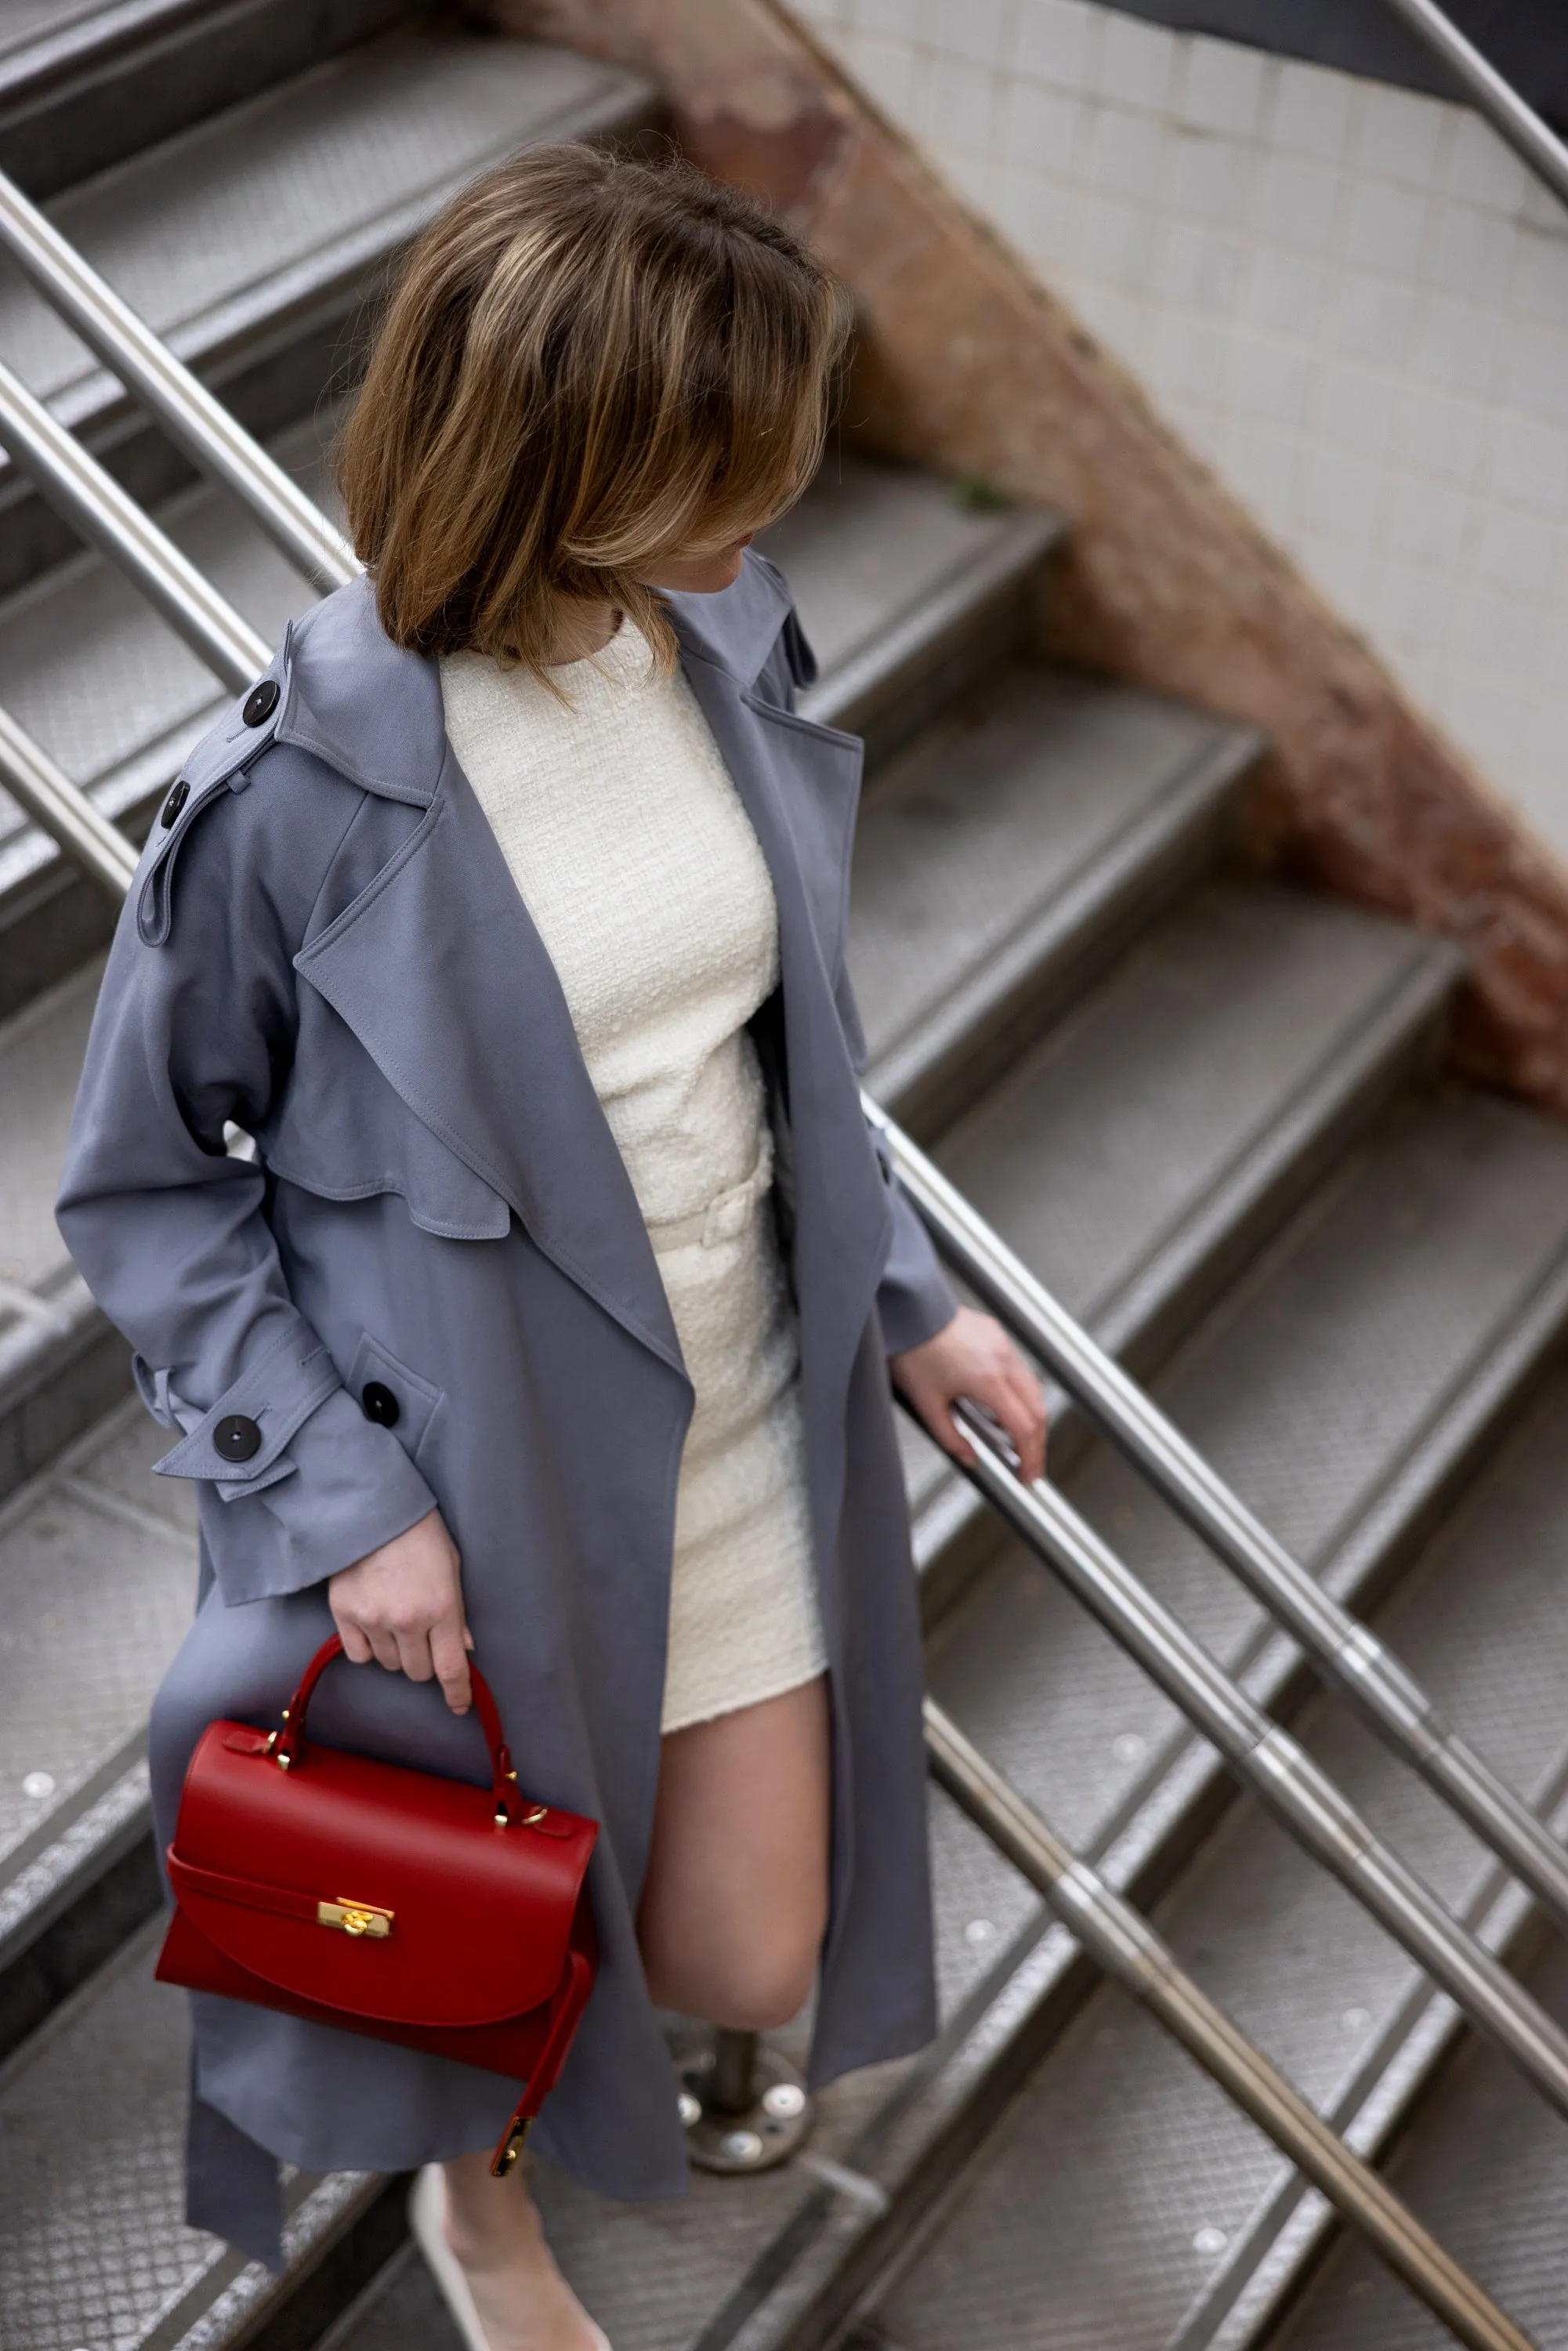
274,1398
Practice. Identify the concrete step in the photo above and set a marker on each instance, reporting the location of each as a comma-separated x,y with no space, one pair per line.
251,240
1121,2198
81,86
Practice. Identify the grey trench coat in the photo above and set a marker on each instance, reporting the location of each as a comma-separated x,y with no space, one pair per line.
324,946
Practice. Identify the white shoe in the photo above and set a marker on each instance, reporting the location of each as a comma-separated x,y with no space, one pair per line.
428,2218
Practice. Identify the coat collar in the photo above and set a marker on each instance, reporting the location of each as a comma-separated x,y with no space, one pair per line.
442,974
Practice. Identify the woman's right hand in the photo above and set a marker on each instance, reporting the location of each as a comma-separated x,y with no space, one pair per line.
403,1605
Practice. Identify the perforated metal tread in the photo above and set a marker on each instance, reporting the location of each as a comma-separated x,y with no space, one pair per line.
1039,815
278,206
1487,2168
1103,2210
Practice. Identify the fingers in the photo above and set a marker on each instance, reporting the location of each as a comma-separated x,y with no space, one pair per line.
450,1642
356,1645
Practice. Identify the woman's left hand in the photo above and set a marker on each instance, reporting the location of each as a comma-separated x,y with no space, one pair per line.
973,1356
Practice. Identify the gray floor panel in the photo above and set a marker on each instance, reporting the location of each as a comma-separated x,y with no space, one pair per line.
992,818
1112,2194
286,200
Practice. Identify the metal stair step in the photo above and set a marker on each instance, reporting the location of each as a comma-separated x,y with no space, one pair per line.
1486,2168
1077,2228
83,86
251,240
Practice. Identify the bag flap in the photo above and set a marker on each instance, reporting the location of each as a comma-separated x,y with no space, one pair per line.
289,1873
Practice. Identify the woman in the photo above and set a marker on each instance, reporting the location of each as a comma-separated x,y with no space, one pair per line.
553,1317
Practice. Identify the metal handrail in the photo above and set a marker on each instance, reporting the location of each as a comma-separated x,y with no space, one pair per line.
1269,1762
1531,140
201,425
96,505
1383,1691
63,810
92,502
1121,1942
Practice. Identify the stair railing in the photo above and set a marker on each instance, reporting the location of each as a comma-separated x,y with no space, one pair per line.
1114,1934
1517,121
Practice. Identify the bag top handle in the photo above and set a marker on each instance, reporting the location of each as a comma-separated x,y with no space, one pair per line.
287,1747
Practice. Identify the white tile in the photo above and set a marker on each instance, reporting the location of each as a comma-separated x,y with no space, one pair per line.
1340,495
963,106
979,30
1398,134
1115,318
1415,604
1370,320
1382,227
1126,154
1501,634
1540,272
1224,87
1480,169
1041,217
1456,345
1271,382
1534,371
896,20
1137,62
1190,357
1293,204
1426,523
1059,41
1528,464
1311,114
1444,438
1202,270
1473,254
971,171
1043,127
1285,293
885,71
1118,243
1525,555
1484,712
1259,467
1339,569
1356,409
1207,177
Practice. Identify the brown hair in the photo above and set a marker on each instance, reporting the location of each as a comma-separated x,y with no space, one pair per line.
589,362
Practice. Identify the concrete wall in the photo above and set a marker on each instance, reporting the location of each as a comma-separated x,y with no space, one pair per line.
1349,298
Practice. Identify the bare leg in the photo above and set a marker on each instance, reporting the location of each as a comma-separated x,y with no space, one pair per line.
733,1907
736,1898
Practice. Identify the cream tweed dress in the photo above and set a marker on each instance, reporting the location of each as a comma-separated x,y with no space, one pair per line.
637,862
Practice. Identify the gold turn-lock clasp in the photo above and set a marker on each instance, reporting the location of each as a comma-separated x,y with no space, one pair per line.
355,1918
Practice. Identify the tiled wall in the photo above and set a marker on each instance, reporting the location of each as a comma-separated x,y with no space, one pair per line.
1351,299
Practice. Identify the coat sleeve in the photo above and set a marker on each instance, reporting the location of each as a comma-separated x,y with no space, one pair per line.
171,1231
915,1299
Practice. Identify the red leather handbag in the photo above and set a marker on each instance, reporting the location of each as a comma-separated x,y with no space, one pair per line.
384,1901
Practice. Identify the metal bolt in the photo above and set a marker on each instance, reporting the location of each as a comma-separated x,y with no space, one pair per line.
742,2146
691,2109
37,1785
1355,2019
1129,1747
1209,2241
785,2098
978,1930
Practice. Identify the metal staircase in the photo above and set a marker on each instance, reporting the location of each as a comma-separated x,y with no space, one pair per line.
1203,1110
